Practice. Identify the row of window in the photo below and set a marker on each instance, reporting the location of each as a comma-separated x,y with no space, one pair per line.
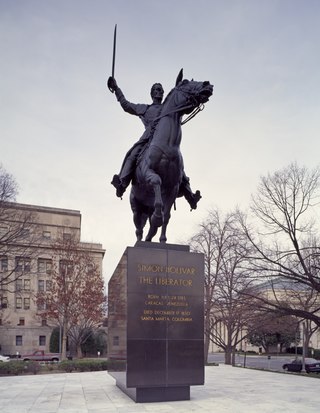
42,340
25,233
23,265
24,301
22,322
20,303
24,285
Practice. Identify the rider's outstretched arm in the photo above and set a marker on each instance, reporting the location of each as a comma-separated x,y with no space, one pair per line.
129,107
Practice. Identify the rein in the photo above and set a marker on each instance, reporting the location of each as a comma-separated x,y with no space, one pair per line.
198,109
193,113
161,115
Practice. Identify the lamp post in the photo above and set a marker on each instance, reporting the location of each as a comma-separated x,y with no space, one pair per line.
296,341
60,339
303,347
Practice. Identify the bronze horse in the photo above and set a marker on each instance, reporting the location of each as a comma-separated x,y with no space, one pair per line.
159,169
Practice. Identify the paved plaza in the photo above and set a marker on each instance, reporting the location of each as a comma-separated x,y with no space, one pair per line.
227,390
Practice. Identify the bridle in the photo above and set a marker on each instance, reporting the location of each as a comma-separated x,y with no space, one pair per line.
199,107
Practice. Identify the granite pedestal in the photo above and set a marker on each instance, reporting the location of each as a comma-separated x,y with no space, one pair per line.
155,323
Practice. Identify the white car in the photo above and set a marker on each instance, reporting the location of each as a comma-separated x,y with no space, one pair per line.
4,358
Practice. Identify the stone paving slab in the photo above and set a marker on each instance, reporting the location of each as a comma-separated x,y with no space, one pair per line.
227,390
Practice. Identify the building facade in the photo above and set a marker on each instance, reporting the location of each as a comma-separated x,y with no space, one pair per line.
275,290
26,262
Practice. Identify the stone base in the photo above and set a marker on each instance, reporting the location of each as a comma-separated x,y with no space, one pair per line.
155,323
152,394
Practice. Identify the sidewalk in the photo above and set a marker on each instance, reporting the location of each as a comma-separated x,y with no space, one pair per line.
227,390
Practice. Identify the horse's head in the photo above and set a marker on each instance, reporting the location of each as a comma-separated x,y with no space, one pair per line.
190,94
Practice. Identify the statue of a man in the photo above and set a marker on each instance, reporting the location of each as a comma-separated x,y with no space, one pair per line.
148,115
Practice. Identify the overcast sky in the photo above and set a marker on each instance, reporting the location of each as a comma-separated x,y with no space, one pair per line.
64,135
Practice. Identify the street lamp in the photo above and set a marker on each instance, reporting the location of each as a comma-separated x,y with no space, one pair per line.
303,347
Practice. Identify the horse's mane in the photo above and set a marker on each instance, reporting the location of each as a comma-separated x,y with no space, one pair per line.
171,91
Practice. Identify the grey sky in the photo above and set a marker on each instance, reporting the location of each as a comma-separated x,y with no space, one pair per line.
63,134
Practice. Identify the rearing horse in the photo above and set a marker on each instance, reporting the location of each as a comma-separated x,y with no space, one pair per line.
159,170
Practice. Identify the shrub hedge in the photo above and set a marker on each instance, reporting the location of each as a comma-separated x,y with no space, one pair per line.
15,367
83,365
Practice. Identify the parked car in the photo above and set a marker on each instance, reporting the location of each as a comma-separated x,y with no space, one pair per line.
4,359
40,355
311,365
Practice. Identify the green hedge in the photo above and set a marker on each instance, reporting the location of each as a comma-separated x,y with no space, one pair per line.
14,367
83,365
32,367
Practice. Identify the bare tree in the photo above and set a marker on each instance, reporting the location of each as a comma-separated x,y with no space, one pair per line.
8,186
272,329
18,234
285,241
75,299
226,309
205,242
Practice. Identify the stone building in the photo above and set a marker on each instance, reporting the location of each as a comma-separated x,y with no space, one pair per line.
26,261
279,289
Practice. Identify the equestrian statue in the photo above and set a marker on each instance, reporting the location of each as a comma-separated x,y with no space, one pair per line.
154,165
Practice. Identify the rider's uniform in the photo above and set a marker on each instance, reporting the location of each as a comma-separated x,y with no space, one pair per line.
147,114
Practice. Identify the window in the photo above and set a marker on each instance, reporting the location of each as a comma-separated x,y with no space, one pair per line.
27,264
44,266
25,233
48,285
46,234
26,285
18,302
19,265
18,340
3,231
116,340
66,236
44,322
26,303
40,285
42,340
19,284
22,264
3,302
91,268
21,321
66,267
0,321
3,264
41,306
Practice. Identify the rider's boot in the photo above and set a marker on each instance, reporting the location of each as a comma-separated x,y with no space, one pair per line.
185,190
122,181
192,198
